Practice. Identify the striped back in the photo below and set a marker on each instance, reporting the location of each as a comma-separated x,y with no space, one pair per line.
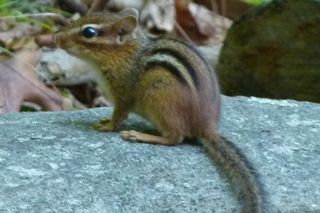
188,66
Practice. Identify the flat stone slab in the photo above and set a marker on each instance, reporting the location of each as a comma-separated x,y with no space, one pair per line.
57,162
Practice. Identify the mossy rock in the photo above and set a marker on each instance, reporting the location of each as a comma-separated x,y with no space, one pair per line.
274,51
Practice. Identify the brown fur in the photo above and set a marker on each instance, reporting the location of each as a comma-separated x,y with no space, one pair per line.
177,108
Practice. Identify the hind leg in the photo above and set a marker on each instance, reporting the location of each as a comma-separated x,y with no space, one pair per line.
166,139
165,103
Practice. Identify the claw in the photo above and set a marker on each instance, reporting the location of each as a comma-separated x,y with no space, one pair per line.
104,125
105,121
129,135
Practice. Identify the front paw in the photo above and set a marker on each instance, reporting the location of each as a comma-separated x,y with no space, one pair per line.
105,121
104,125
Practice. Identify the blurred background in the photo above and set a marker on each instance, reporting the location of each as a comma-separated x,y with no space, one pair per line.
257,47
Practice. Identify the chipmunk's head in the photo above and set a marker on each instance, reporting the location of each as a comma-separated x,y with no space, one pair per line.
102,33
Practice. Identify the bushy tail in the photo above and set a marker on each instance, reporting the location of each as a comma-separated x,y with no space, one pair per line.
237,169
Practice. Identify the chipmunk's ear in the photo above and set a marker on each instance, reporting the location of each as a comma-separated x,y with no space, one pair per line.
128,24
130,12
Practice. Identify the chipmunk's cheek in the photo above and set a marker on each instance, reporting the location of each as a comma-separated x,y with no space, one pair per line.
62,41
76,50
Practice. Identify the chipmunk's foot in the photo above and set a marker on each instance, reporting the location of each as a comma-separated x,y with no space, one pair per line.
130,135
104,125
105,121
145,138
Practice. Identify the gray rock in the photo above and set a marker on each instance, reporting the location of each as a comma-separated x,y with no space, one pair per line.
57,162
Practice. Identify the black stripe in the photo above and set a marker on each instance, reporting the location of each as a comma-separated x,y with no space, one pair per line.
193,49
181,58
170,67
198,53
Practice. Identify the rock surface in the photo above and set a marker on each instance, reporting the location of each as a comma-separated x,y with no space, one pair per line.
56,162
273,51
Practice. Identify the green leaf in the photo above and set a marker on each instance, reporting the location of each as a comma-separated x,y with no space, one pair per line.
256,2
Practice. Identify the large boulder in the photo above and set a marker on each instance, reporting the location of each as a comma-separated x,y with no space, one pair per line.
57,162
274,51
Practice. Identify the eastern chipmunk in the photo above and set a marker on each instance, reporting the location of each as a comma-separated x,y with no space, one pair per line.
165,81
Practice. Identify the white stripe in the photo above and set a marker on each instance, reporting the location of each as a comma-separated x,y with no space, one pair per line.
176,63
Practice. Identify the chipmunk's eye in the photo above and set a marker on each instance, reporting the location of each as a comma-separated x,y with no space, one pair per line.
89,32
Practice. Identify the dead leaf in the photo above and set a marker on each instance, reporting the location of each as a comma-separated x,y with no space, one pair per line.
70,73
88,95
18,34
198,23
210,23
73,6
186,23
117,5
230,8
97,6
19,83
159,16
